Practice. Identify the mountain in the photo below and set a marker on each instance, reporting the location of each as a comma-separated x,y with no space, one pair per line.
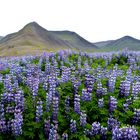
119,44
1,37
102,43
34,39
74,39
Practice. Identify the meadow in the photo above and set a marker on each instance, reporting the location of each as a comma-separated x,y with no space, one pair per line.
70,95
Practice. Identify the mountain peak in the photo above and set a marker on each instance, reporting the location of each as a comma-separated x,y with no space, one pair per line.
31,27
127,37
32,24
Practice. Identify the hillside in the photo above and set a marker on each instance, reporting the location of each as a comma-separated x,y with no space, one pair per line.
74,39
102,43
1,37
34,39
119,44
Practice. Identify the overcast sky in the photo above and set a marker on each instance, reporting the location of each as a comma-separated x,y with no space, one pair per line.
95,20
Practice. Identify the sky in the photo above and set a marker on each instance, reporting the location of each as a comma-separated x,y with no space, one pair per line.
95,20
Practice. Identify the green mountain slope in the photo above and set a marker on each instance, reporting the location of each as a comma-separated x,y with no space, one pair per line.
34,39
120,44
74,39
1,37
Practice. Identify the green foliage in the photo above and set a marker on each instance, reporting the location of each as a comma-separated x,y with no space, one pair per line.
43,66
6,71
35,61
121,60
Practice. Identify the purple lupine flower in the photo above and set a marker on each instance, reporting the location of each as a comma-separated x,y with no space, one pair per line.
17,124
65,74
9,126
48,102
67,104
45,84
89,81
76,84
47,127
112,79
112,123
135,91
7,83
77,103
95,129
125,88
10,109
112,103
35,87
55,105
99,90
39,110
2,112
83,118
73,127
3,127
126,106
125,133
19,99
87,94
136,117
53,133
47,67
103,132
101,103
127,103
64,136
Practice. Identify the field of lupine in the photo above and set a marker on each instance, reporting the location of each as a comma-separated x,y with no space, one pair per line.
70,96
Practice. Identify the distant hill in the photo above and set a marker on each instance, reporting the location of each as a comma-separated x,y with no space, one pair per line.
119,44
34,39
1,37
74,39
102,43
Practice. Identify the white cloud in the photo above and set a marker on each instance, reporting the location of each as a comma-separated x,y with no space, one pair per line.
95,20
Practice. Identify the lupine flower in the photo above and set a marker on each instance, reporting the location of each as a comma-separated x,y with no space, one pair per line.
112,104
3,127
48,67
2,112
135,91
100,90
136,118
67,104
73,127
77,103
48,101
83,118
35,87
47,127
39,111
64,136
86,96
101,103
53,133
125,133
125,88
65,74
103,132
55,108
112,123
95,129
17,124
